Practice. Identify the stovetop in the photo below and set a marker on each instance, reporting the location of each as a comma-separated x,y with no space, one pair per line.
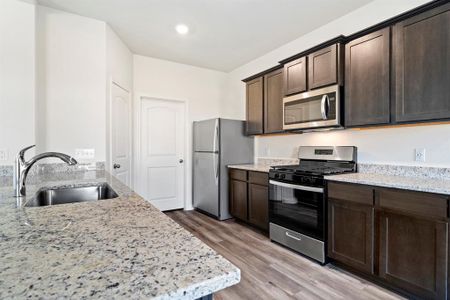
318,171
310,172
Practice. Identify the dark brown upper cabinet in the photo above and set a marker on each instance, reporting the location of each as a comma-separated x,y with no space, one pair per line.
273,102
294,77
421,53
255,104
367,80
324,66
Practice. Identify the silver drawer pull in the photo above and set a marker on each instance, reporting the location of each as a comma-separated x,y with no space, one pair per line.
293,237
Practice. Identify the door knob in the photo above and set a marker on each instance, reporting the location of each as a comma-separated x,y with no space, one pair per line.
181,161
116,166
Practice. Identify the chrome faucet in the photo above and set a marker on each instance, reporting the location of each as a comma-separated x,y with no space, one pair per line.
21,167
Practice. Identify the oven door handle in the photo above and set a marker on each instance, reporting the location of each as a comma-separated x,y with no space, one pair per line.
297,187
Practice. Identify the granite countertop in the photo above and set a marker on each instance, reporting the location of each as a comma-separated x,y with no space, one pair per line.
264,164
120,248
431,185
252,167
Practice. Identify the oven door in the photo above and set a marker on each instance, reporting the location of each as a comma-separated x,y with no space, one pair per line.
298,208
314,109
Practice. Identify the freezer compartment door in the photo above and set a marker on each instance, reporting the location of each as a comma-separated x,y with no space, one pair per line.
206,136
206,182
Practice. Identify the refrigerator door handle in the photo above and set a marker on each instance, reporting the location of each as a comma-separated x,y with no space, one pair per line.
216,136
216,168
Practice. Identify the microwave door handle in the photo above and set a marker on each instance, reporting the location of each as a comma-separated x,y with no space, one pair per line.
324,106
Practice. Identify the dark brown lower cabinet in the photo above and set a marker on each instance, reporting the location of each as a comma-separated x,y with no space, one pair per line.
398,237
350,234
238,198
249,197
414,254
258,206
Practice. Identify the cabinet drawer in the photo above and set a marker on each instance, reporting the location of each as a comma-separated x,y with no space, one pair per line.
351,192
425,204
258,178
238,174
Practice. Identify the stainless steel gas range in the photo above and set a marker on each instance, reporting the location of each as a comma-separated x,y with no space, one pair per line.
297,205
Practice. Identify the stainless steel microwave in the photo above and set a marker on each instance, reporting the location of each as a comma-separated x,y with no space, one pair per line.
319,108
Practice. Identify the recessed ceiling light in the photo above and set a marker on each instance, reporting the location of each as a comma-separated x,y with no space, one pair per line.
182,29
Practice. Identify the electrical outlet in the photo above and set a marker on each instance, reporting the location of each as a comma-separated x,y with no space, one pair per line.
84,153
420,154
3,154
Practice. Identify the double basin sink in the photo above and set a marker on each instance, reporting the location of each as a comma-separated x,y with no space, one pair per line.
64,195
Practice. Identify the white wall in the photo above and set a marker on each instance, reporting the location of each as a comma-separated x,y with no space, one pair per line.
119,69
71,68
119,60
394,146
202,89
17,75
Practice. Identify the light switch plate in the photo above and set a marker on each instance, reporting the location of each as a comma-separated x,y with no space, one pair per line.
420,154
84,153
3,154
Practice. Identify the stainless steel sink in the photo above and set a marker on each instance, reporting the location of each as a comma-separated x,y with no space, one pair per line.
65,195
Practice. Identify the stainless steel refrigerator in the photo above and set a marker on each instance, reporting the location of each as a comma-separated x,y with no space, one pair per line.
217,143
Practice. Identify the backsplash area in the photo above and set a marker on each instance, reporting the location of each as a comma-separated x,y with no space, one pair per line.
388,146
55,168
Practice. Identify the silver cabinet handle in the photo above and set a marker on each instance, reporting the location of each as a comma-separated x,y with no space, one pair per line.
293,237
116,166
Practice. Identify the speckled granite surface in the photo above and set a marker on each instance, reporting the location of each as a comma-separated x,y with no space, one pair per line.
120,248
431,185
45,168
251,167
264,164
408,171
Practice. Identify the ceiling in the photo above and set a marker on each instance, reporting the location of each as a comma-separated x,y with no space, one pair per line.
224,34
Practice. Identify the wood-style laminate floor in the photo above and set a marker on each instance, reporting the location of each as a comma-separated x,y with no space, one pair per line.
270,271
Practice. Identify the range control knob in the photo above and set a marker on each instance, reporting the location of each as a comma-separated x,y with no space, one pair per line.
283,176
277,175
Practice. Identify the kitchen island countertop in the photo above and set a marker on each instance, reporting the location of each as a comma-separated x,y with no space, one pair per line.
119,248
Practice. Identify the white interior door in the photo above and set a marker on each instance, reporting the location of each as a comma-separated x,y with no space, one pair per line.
162,130
121,134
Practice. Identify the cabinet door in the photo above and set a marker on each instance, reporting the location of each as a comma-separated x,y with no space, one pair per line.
273,102
254,124
238,199
367,80
422,66
323,67
351,234
414,254
258,205
294,76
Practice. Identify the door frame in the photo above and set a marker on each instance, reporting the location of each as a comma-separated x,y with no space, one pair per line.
110,131
138,99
